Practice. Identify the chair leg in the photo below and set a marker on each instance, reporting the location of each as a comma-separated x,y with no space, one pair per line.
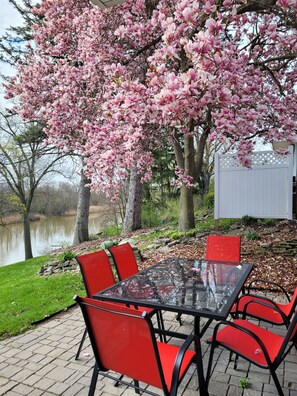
178,318
136,383
116,383
276,382
94,381
235,359
161,325
209,367
235,362
81,344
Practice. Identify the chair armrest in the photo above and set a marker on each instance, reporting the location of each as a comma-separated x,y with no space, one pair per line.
269,282
272,305
244,330
252,295
179,360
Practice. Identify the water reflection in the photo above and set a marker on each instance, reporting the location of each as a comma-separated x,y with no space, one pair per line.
46,235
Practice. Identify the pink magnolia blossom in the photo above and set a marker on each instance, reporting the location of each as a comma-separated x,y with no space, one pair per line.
114,84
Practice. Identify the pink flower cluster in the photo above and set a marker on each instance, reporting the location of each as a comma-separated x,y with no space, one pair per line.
112,85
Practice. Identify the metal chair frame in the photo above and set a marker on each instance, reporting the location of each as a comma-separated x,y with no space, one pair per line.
219,241
129,314
83,261
271,365
117,253
257,299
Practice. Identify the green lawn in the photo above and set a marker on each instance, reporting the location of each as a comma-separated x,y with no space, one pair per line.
26,297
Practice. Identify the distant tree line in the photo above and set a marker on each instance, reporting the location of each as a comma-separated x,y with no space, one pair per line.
49,200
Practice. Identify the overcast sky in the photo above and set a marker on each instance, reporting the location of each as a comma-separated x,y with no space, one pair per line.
8,17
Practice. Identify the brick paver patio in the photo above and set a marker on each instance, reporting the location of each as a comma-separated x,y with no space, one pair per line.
41,362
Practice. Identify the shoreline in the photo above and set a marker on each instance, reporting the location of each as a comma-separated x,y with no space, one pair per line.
17,217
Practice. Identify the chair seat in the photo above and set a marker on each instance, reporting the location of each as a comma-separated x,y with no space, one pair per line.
259,310
246,346
168,355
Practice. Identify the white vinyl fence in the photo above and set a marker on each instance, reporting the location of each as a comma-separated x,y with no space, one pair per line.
262,191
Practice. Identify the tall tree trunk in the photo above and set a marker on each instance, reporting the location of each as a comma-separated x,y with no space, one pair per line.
189,158
186,209
27,236
185,159
81,230
132,219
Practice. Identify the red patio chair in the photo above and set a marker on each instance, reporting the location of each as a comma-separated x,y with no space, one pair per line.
259,346
126,266
223,248
124,260
263,308
123,341
227,248
97,275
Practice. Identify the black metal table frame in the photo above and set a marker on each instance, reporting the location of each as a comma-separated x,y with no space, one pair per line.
186,283
149,278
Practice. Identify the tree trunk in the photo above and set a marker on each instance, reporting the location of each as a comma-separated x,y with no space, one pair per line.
132,219
81,230
185,158
186,209
189,158
27,236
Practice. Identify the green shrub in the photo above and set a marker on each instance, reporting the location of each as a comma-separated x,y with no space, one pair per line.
67,255
253,236
267,222
225,224
248,220
112,230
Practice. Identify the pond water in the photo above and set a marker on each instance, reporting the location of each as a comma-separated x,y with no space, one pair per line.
46,235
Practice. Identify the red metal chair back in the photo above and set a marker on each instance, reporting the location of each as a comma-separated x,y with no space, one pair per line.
223,248
291,336
96,271
124,260
123,340
293,303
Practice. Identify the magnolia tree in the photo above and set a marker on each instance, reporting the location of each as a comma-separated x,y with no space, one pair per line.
114,84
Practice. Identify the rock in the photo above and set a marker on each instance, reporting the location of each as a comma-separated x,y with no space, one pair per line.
107,244
131,241
56,267
173,243
201,234
151,246
164,249
165,240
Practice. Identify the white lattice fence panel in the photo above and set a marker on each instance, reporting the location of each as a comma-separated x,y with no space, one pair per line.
263,191
261,159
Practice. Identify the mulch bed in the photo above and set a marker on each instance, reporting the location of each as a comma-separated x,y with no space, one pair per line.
271,256
263,253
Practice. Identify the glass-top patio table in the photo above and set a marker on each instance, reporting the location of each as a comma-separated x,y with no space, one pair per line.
204,289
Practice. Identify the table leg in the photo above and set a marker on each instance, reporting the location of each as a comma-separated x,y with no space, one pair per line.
200,331
201,380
